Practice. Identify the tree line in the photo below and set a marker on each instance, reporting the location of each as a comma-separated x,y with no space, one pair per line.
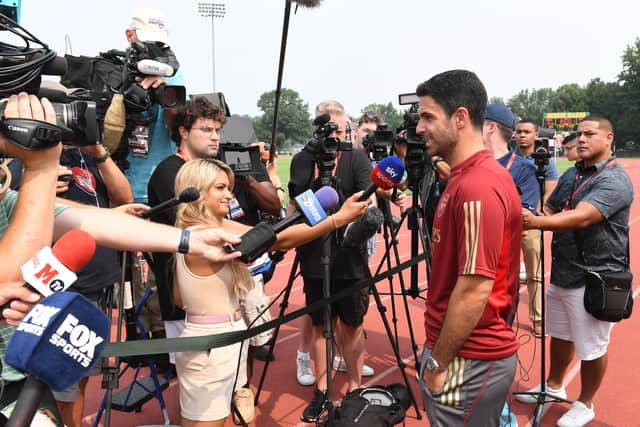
620,100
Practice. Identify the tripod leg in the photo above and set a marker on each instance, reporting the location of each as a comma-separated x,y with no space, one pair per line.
276,331
382,309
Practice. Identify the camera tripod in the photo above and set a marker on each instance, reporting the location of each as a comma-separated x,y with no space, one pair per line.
328,334
541,396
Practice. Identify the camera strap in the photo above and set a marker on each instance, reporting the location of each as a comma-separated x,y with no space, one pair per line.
33,134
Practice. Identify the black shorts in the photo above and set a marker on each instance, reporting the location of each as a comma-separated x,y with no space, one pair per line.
351,309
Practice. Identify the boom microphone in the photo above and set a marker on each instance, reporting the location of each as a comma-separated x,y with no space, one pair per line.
57,342
361,230
311,209
188,195
386,175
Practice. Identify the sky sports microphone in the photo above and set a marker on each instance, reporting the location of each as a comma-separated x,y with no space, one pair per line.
311,209
53,270
188,195
387,174
57,342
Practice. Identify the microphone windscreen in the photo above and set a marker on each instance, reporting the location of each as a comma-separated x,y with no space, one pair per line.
59,340
189,195
361,230
321,120
74,249
308,3
328,198
388,173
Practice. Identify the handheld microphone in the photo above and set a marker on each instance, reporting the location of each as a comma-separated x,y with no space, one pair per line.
311,208
52,270
386,175
57,342
188,195
155,68
361,230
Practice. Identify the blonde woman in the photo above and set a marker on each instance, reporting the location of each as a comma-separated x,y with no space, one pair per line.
209,292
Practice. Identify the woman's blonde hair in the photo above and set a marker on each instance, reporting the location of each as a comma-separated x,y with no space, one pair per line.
202,174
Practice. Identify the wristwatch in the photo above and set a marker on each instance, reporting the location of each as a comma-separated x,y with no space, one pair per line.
432,365
104,157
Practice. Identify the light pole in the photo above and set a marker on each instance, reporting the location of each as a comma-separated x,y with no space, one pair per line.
212,10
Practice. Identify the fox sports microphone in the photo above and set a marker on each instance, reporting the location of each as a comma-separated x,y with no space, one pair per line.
311,209
52,270
188,195
57,343
387,174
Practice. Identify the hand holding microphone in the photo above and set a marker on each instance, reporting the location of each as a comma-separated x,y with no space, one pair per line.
47,272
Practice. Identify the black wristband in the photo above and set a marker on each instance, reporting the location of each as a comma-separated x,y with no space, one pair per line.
183,247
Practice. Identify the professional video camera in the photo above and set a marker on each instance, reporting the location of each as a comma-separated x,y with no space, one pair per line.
379,142
541,150
417,157
322,144
81,113
241,158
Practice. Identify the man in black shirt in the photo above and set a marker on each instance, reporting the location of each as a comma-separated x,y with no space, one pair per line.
348,265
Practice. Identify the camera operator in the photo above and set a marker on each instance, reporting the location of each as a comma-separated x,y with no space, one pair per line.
352,171
469,358
588,213
150,25
196,130
526,134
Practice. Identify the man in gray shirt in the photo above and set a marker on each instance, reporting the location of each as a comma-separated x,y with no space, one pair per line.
589,214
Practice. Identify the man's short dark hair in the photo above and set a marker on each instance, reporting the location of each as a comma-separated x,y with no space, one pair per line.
567,139
457,88
603,120
197,108
528,120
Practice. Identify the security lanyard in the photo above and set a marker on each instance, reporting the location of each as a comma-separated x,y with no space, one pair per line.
575,190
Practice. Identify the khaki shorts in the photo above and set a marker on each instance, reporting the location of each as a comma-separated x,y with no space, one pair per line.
255,302
207,378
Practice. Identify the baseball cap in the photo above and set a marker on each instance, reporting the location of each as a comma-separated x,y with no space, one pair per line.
500,113
150,25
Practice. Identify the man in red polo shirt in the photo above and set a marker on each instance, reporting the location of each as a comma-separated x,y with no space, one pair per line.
470,354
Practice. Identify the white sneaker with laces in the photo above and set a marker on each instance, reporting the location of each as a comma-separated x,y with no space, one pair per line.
560,393
304,373
577,416
340,366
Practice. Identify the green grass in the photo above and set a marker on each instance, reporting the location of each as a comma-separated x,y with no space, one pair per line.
284,163
563,165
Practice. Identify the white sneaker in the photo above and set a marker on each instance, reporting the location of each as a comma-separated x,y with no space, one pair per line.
523,272
560,393
340,366
304,373
577,416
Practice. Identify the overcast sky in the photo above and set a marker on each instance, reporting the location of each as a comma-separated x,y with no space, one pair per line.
360,51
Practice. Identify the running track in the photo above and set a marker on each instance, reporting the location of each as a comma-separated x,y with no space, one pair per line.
282,400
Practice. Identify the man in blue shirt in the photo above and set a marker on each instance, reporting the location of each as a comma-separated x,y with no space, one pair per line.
526,134
150,25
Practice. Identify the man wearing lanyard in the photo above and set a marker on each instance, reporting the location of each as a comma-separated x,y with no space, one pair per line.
589,215
496,132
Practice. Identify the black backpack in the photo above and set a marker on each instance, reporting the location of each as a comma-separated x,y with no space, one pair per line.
377,406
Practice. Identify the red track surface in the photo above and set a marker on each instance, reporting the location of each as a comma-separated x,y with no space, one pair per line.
282,399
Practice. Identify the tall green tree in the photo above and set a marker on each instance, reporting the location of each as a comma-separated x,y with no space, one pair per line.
629,95
392,117
294,120
568,97
497,100
531,103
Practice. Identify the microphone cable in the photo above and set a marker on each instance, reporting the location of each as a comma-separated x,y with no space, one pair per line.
21,66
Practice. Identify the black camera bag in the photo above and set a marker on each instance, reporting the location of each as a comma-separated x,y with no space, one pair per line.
377,406
609,296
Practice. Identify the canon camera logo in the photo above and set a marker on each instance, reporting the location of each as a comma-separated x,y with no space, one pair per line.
76,340
17,129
